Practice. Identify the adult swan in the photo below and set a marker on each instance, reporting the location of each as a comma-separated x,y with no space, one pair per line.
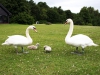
19,40
77,40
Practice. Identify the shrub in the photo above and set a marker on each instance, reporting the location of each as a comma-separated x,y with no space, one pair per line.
23,18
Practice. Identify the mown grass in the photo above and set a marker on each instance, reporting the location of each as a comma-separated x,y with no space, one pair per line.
59,62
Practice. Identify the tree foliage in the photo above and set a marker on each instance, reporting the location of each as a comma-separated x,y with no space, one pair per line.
28,12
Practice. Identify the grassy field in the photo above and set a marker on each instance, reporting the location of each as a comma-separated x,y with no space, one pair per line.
59,62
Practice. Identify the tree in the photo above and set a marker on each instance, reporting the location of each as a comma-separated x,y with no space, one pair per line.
69,14
77,19
42,12
94,16
43,8
53,16
16,7
96,20
23,18
34,10
84,14
43,5
61,13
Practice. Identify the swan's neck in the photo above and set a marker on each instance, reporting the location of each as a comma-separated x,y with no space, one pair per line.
28,36
70,30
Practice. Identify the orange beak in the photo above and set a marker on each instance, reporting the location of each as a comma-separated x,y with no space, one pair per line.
65,22
35,30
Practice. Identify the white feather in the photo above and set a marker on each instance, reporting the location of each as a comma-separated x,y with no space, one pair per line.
77,40
19,40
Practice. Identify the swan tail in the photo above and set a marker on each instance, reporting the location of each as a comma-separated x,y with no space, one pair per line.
3,44
95,44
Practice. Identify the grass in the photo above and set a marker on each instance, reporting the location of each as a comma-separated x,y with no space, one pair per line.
59,62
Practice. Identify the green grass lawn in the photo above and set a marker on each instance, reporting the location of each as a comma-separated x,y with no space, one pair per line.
59,62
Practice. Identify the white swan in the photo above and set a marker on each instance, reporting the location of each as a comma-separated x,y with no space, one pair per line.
19,40
77,40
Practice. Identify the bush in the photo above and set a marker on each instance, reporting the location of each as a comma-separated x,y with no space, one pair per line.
23,18
48,23
42,21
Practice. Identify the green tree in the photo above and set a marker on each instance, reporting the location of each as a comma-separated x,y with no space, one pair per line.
96,19
62,14
23,10
43,7
84,14
53,16
23,18
94,16
69,14
34,10
16,7
77,19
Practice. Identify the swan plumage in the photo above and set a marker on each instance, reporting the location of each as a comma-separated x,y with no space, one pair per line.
20,40
79,40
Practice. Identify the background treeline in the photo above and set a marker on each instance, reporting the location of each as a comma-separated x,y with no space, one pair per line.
28,12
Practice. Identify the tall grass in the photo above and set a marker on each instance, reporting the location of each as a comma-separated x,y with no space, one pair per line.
59,62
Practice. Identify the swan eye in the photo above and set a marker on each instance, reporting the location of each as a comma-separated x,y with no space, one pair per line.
34,28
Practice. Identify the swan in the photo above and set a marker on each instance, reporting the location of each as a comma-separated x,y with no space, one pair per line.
20,40
79,40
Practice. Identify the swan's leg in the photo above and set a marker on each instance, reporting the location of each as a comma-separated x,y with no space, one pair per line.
79,53
82,50
23,50
16,49
75,51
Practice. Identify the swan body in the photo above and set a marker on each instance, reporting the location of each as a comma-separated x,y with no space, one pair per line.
79,40
15,40
19,40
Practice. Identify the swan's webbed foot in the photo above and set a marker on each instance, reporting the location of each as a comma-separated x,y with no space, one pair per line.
16,50
77,52
26,52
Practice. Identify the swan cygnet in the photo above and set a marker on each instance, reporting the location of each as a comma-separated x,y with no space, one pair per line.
20,40
79,40
47,49
33,47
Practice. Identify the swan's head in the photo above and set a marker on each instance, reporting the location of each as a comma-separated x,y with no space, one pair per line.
68,21
32,27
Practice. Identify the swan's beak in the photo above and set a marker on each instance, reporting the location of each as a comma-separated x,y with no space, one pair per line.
35,30
65,22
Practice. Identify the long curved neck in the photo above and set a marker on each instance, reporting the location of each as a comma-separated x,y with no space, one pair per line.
70,30
27,35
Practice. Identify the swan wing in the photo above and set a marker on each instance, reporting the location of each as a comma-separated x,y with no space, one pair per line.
17,40
80,40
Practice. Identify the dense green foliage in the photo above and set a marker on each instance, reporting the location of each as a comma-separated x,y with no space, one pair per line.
59,62
43,13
